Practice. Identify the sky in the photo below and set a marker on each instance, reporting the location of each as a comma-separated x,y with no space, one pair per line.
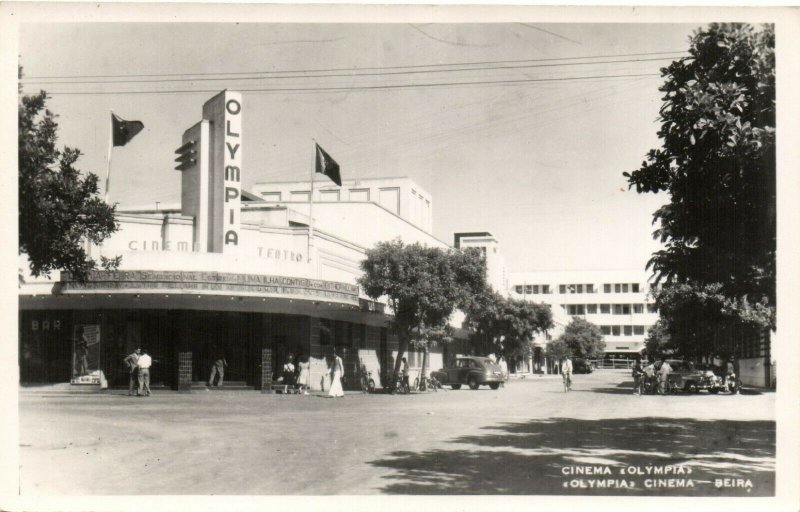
519,129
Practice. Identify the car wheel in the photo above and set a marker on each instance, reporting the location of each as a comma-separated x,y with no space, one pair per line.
713,391
473,384
494,385
455,386
690,387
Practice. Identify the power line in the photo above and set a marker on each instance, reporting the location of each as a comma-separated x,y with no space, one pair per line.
377,68
362,87
348,75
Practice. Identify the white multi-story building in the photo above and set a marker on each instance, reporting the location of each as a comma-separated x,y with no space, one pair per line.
496,274
618,301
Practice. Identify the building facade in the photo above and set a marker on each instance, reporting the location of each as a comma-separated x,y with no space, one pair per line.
617,301
226,272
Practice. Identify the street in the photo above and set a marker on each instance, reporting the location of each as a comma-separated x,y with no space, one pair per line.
526,438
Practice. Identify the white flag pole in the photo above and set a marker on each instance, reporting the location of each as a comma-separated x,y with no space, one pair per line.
110,149
311,204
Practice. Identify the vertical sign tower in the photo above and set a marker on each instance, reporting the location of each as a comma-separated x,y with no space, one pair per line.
210,159
224,111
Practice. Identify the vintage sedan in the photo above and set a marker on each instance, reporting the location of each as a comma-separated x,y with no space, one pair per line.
472,371
685,376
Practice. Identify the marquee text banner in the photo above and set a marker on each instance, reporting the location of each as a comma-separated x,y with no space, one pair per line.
220,282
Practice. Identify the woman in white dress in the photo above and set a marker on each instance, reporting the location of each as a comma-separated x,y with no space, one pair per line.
304,379
336,371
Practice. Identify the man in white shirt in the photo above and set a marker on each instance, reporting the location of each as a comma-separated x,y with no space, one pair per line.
144,363
566,371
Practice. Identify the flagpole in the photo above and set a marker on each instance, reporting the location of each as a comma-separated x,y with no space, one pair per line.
311,206
110,149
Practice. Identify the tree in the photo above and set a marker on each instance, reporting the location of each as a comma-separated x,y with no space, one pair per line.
658,342
557,350
717,163
59,208
583,338
507,324
423,286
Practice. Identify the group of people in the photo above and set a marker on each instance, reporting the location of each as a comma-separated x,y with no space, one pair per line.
651,377
300,374
139,362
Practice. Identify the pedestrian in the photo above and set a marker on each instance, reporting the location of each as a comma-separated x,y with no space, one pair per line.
82,356
663,377
649,377
336,371
501,361
304,378
218,366
132,361
405,374
288,370
144,363
638,373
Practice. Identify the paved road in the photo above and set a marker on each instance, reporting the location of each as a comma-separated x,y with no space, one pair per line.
520,439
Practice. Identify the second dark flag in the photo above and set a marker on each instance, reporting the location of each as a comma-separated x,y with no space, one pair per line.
328,166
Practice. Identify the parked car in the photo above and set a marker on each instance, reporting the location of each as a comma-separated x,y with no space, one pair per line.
472,371
685,376
582,366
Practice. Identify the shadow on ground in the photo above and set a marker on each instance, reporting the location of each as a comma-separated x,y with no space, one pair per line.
531,457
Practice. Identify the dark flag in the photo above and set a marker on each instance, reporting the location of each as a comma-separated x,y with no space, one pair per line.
328,166
124,130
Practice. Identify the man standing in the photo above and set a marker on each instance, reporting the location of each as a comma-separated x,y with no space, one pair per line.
143,364
218,366
133,367
663,377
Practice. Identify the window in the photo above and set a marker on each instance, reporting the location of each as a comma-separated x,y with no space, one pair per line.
576,309
635,287
545,288
302,197
617,288
651,308
271,196
562,289
638,330
579,288
389,198
617,309
627,330
626,309
625,288
591,309
518,289
605,329
615,330
589,288
570,288
536,288
605,309
606,288
329,195
528,289
638,309
360,195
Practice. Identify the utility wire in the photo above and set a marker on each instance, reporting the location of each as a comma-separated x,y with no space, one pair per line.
361,87
378,68
348,75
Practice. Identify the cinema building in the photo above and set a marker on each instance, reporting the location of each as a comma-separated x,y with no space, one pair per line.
246,273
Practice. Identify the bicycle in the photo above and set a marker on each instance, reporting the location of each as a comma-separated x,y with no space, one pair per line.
399,386
567,378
